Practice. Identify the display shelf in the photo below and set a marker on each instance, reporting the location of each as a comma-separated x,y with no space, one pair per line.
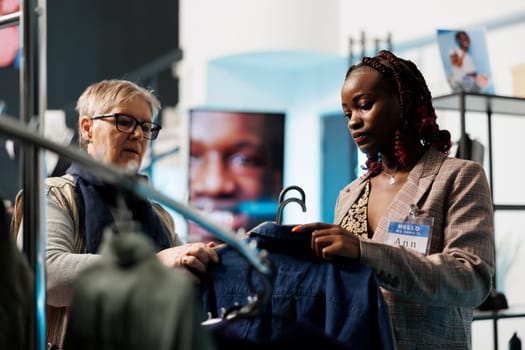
481,103
512,312
515,311
465,103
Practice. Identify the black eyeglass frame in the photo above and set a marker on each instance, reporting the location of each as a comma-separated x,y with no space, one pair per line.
154,130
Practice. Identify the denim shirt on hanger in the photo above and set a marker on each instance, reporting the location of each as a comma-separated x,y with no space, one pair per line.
341,297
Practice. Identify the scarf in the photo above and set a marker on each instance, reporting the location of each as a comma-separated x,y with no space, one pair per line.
94,198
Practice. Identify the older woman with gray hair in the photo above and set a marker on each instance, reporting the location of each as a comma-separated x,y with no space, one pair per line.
116,124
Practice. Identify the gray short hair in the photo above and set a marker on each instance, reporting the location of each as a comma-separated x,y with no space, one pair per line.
101,97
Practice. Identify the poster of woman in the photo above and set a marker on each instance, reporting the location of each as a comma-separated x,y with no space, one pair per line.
465,59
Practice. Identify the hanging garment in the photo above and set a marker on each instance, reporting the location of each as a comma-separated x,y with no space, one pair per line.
94,197
62,237
341,297
17,299
129,300
298,335
474,150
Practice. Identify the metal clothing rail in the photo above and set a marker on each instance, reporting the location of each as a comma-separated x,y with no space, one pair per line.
9,20
31,19
126,179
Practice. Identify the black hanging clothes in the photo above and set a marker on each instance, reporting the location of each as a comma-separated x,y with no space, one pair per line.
129,300
340,298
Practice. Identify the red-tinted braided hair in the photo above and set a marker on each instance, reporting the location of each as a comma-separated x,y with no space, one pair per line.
419,115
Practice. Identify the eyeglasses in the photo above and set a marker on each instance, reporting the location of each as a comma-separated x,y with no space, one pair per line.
127,124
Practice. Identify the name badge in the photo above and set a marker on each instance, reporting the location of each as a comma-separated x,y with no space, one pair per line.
413,235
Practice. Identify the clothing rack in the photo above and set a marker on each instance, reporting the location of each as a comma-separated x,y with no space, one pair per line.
33,80
32,19
126,179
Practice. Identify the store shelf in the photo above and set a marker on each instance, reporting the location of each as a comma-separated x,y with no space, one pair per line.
489,105
481,103
512,312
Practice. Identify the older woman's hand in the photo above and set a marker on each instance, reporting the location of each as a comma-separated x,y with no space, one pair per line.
194,256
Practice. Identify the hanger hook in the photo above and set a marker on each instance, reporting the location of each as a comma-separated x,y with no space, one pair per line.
284,203
289,188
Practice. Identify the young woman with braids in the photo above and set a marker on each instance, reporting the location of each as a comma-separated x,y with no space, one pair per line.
421,220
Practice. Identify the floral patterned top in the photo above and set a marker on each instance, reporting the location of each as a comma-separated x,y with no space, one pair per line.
356,220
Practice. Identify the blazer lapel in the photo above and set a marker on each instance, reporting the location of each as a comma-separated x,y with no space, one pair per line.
348,196
418,183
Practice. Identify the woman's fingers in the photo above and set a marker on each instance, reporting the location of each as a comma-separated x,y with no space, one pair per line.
194,256
192,262
306,228
335,241
322,241
204,253
198,255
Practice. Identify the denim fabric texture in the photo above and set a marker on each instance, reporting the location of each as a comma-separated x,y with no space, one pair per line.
340,297
300,335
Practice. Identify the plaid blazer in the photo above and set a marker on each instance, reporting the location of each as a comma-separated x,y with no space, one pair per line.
431,297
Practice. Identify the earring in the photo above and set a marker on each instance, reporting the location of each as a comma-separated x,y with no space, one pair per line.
404,121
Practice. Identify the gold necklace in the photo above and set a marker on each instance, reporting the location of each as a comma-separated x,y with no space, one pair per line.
392,180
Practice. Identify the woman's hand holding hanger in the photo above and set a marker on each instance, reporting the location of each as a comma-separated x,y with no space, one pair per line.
330,240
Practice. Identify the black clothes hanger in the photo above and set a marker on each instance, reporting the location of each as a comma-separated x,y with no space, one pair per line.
289,188
259,298
283,202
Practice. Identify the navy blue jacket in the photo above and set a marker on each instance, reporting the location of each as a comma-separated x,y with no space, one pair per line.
341,297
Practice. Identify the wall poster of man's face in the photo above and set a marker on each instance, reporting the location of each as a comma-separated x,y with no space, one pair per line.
235,168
